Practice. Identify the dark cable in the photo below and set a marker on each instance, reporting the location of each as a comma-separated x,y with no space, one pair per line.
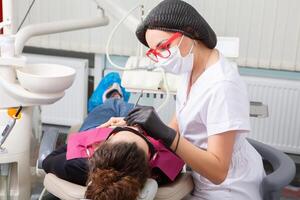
33,1
18,112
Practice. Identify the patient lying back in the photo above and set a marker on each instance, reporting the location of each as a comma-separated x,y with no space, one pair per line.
113,163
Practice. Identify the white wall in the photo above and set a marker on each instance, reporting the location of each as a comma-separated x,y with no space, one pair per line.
71,109
269,30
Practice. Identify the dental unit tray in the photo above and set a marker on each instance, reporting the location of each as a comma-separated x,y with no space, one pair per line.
149,81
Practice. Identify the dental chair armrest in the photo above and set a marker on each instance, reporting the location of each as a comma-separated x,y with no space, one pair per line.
63,189
282,174
284,168
48,144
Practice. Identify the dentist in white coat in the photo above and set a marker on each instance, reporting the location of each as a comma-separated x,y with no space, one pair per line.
211,122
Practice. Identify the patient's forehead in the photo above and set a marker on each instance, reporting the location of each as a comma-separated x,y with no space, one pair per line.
127,136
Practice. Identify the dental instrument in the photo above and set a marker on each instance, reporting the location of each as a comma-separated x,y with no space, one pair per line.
11,123
141,94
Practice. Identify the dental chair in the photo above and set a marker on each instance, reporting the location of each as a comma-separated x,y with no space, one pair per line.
283,171
65,190
174,191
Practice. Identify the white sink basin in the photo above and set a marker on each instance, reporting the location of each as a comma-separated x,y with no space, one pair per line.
46,78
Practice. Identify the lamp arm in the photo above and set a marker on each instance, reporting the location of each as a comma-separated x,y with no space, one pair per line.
55,27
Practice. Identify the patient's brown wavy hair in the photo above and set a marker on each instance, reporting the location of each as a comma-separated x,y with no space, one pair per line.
118,171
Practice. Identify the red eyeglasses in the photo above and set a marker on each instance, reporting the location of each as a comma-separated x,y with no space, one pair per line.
163,49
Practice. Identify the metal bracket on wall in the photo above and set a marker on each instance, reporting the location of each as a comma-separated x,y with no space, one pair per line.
258,109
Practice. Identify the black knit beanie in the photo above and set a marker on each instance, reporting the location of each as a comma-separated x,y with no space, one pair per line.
177,16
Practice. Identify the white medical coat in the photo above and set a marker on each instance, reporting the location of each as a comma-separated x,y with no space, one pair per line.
218,102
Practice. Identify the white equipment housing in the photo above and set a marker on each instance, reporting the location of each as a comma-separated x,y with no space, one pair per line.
27,86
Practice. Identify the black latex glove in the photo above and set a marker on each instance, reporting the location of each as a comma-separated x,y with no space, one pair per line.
147,118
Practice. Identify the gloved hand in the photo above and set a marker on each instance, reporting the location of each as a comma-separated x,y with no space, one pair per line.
148,119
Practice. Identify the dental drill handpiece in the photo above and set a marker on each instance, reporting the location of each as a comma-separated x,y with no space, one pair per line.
11,123
136,103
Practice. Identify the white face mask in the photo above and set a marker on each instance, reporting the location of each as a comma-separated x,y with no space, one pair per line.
176,63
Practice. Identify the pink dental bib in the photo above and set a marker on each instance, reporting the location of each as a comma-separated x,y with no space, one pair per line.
80,145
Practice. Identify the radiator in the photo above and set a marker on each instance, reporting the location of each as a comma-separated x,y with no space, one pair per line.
72,108
282,128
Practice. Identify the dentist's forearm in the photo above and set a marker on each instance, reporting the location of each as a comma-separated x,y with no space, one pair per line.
203,162
173,123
